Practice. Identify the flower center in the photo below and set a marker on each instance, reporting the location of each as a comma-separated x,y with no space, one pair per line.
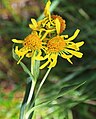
32,42
62,22
56,44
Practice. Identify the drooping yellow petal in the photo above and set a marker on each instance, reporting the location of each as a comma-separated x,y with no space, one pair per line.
63,55
57,26
44,65
53,62
70,61
20,53
66,56
74,35
17,51
75,53
29,54
17,41
20,59
41,57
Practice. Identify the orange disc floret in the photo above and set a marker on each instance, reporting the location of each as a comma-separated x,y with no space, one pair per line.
32,42
62,22
56,44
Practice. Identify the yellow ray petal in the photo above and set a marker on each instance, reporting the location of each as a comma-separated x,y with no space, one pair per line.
53,62
44,65
57,26
63,55
79,44
20,59
44,36
64,36
29,54
47,8
75,53
70,61
21,52
41,57
34,22
17,51
73,46
17,41
31,26
54,56
74,35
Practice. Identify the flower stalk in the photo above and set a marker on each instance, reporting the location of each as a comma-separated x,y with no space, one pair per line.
42,82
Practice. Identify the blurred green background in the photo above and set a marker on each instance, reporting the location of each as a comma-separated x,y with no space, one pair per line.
70,90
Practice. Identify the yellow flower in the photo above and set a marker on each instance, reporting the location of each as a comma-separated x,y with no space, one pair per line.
46,37
49,23
30,44
58,46
54,21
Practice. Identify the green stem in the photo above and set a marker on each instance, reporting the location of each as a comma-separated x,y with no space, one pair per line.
42,82
23,106
31,92
33,82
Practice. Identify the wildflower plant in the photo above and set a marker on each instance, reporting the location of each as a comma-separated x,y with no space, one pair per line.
45,43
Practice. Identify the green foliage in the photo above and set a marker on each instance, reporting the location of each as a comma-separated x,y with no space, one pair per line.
70,90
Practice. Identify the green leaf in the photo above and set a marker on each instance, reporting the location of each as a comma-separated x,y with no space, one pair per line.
67,89
23,106
22,64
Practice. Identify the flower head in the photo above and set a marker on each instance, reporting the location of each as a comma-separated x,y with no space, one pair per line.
30,44
58,46
49,23
46,36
